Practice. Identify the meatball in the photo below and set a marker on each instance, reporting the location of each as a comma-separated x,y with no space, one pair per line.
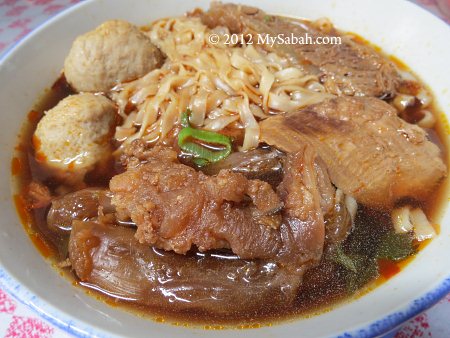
114,52
75,135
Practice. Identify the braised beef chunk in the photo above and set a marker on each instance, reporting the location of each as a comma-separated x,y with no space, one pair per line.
371,154
80,205
303,229
38,195
348,68
138,153
111,259
261,163
339,219
175,207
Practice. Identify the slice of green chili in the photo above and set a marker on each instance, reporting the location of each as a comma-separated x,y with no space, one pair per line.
202,155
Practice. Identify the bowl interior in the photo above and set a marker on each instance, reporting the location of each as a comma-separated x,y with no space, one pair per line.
399,27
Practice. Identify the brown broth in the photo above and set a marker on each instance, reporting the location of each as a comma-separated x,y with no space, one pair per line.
323,287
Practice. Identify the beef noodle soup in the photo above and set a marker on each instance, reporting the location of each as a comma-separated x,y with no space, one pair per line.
181,174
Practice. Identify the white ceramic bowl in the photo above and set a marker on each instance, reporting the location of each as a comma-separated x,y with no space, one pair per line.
399,27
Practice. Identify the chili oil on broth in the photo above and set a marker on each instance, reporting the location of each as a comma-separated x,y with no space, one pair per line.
323,288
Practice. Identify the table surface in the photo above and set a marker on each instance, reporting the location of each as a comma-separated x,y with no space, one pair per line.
17,19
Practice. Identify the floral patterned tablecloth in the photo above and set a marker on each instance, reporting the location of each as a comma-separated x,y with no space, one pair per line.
17,19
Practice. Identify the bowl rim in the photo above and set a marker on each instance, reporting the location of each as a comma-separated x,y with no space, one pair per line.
78,328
